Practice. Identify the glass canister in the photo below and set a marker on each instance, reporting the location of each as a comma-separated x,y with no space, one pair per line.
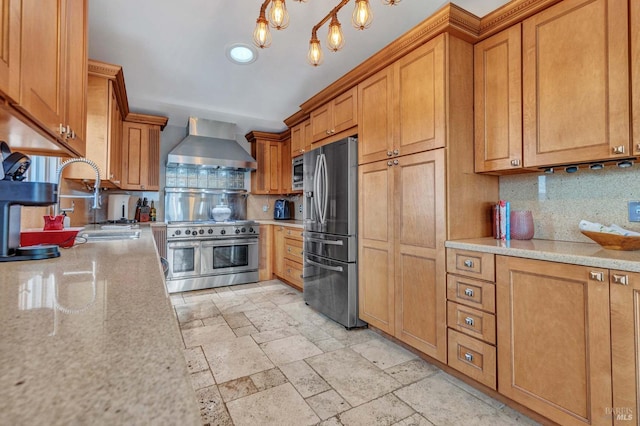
521,225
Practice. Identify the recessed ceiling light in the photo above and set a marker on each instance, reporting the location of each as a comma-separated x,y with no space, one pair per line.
242,54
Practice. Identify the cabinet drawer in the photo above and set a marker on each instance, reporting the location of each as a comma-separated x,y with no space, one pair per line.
471,264
293,249
295,233
473,322
472,357
470,292
293,272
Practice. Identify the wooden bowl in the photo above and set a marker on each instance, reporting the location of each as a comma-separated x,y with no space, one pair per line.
614,242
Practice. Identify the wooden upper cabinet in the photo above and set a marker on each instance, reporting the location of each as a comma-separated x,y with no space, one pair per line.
53,68
498,101
576,83
335,116
402,109
10,26
141,152
571,383
286,170
300,138
272,152
375,117
634,14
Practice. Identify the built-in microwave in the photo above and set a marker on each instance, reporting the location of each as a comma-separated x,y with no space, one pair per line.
297,175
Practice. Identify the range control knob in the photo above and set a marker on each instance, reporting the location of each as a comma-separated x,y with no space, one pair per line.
178,232
251,230
187,232
201,231
244,230
210,231
223,231
194,232
237,230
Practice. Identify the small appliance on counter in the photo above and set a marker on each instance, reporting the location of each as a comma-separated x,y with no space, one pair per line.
282,209
14,193
118,207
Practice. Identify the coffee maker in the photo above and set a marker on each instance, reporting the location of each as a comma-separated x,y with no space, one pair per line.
14,193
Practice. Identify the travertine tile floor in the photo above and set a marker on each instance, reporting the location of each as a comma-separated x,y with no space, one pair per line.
258,355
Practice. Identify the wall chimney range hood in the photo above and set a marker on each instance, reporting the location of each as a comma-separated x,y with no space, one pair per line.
211,144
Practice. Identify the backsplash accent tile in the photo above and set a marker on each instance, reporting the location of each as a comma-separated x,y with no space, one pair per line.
559,201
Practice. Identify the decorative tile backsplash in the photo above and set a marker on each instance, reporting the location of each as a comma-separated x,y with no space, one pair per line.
559,201
197,177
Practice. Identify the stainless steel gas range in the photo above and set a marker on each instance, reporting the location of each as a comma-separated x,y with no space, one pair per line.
211,254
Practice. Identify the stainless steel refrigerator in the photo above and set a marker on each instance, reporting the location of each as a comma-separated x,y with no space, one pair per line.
331,225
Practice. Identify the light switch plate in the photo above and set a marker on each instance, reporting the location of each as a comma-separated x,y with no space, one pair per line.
634,211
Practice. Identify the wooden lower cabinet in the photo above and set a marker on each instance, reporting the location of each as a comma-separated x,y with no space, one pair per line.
265,261
402,288
554,353
287,254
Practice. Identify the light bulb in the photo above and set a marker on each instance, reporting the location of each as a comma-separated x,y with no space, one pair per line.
315,52
335,38
278,15
262,35
391,2
362,15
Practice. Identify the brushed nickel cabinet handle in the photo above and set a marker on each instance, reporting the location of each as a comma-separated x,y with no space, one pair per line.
389,163
618,149
396,162
596,276
468,263
468,292
468,357
621,279
396,152
515,163
469,321
389,153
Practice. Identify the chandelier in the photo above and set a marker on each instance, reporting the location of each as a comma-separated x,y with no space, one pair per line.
278,18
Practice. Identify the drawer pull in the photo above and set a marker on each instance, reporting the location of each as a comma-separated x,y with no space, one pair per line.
596,276
515,163
621,279
469,321
289,249
468,292
468,263
618,149
468,357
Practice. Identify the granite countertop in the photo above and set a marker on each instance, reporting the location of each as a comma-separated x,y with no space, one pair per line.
90,338
585,254
292,223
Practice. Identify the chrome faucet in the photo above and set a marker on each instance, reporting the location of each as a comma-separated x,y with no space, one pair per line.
96,190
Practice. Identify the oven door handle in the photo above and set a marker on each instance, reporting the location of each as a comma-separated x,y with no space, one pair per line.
328,268
183,244
234,242
328,242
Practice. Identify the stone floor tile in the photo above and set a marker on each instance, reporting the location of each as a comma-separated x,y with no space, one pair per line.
383,353
237,388
246,288
290,296
202,379
212,409
268,379
518,417
444,403
280,333
195,359
385,410
222,290
245,331
412,371
313,332
194,311
473,391
191,324
270,319
235,358
333,421
198,296
306,381
350,337
236,320
214,320
234,303
328,345
328,404
207,334
414,420
265,305
289,349
277,406
176,299
355,378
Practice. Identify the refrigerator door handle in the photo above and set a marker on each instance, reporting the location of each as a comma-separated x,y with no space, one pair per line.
316,189
328,242
321,266
325,182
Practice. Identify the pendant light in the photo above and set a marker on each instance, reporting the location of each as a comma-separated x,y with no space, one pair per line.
362,15
335,38
389,2
262,35
315,51
278,15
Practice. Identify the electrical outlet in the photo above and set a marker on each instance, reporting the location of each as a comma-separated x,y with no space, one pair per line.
634,211
265,208
300,208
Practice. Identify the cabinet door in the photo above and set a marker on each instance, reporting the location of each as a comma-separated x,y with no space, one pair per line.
285,168
625,345
267,178
554,339
498,101
321,120
576,83
634,14
141,157
10,51
297,140
376,290
76,74
265,250
375,117
419,254
345,111
43,63
420,88
114,144
278,251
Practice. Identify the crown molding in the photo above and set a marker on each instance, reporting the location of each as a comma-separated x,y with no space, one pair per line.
510,14
116,75
154,120
275,137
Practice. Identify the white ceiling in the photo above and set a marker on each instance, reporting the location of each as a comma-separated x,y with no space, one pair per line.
173,54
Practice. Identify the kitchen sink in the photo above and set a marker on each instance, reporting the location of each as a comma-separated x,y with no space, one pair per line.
110,233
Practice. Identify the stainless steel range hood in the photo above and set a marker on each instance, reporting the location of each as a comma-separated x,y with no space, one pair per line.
211,144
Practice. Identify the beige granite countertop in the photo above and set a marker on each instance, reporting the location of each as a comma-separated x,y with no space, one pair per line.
585,254
90,338
292,223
